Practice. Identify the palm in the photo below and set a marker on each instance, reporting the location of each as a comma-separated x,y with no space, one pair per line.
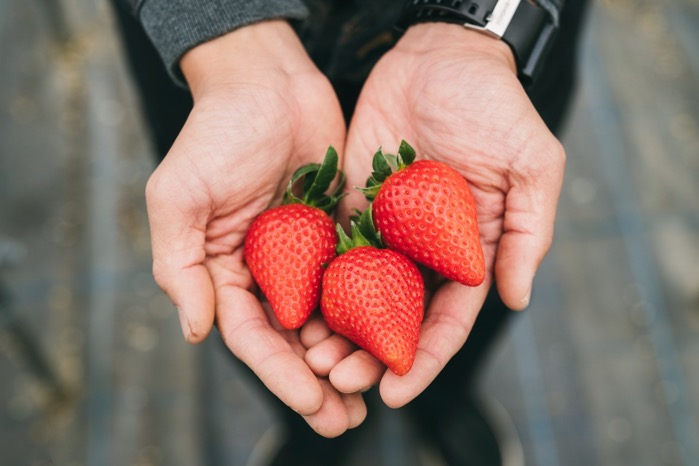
462,125
251,175
232,160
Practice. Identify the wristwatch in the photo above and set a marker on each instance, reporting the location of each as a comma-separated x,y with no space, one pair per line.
526,27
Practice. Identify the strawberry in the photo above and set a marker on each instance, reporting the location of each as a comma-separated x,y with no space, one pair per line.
375,298
426,211
287,247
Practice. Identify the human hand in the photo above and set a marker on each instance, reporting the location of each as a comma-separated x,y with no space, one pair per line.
261,110
454,95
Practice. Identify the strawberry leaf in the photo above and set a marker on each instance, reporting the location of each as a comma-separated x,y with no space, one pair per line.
365,226
306,170
324,176
317,179
392,161
406,154
382,169
384,165
344,242
363,233
358,239
371,189
356,213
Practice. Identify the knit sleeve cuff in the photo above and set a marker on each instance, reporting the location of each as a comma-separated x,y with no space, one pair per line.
176,26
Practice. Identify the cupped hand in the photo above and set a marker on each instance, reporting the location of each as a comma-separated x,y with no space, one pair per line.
261,110
454,95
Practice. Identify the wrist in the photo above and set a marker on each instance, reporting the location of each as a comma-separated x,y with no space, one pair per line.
528,27
250,54
453,38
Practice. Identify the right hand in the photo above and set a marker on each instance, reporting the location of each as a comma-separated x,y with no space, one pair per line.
261,110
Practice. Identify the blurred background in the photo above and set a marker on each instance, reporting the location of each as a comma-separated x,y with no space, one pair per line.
602,369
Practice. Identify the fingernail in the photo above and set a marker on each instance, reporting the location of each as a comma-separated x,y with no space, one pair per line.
184,323
526,299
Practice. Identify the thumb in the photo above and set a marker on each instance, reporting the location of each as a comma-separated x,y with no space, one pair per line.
191,291
530,213
178,229
518,257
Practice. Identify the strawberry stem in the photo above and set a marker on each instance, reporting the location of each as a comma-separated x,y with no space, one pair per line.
317,179
384,165
363,233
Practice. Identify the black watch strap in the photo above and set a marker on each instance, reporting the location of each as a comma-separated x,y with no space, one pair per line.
528,29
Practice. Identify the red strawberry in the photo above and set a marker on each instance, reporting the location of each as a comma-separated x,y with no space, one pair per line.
375,298
426,211
287,247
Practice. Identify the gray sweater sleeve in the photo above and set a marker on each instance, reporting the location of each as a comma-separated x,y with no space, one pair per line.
175,26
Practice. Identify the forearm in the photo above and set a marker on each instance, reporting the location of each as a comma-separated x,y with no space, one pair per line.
177,26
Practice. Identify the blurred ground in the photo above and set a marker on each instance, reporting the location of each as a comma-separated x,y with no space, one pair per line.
601,370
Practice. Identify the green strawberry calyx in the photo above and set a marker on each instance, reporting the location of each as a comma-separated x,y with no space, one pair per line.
316,179
384,165
363,233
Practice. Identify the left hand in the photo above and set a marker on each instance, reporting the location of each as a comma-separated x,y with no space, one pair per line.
454,95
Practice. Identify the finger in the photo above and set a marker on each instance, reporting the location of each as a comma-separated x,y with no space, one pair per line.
314,331
322,357
177,235
332,419
248,334
290,336
448,322
356,409
530,214
357,373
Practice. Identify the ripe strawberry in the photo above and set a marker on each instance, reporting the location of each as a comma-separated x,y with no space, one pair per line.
426,211
287,247
375,298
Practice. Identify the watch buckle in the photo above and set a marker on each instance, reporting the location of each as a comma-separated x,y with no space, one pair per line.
499,19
